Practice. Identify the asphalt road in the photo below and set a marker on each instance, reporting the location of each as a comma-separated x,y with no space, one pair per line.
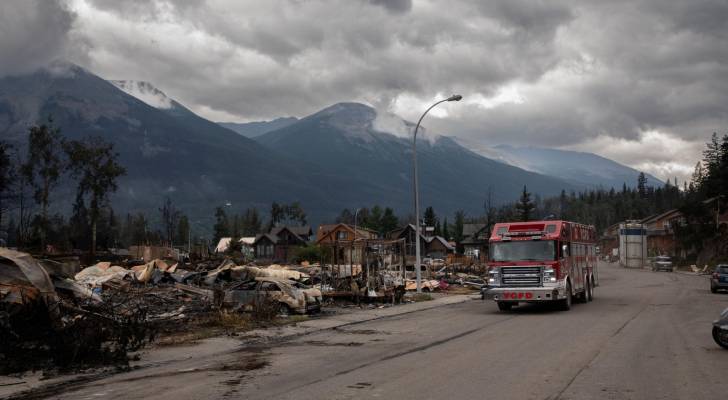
645,336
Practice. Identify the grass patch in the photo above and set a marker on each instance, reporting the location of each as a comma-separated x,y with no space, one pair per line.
216,324
418,297
222,323
190,337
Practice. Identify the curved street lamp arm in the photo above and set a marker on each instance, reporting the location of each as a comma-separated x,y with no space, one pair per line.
455,97
425,113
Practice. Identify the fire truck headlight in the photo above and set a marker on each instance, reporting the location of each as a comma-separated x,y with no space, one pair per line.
493,278
549,275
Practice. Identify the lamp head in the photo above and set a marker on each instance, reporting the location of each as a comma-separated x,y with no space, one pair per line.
455,97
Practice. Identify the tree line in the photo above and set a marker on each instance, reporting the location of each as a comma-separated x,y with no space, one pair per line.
29,180
250,222
705,198
599,207
91,162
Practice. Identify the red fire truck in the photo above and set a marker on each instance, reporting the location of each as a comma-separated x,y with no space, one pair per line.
541,261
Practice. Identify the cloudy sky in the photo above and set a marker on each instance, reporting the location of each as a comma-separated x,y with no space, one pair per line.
642,82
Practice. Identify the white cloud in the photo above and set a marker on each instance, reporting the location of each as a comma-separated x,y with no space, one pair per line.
660,154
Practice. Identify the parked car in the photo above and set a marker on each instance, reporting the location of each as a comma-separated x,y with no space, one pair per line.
662,263
720,330
290,296
719,279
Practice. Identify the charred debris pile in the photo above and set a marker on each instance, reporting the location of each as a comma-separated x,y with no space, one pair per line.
59,315
54,316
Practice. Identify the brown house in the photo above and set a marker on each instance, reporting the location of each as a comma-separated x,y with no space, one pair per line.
661,228
280,244
661,232
333,232
348,243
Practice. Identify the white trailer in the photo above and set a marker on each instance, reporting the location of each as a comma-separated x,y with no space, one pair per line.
632,245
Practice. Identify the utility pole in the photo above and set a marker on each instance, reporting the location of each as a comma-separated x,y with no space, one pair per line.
455,97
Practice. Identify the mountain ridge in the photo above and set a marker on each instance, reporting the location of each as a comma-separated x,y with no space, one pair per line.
582,168
343,156
257,128
451,176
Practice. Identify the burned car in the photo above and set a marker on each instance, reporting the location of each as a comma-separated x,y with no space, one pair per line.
288,295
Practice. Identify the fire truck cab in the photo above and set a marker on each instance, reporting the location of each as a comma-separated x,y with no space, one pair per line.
541,261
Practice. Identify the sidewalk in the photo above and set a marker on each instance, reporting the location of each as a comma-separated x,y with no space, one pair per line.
356,317
165,357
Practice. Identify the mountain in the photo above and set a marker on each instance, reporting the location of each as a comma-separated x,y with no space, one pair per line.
581,169
344,156
168,151
350,139
255,129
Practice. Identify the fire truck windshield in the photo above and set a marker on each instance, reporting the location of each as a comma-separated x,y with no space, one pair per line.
527,250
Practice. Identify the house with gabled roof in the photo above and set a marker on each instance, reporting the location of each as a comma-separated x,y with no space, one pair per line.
348,242
328,233
475,240
281,243
430,246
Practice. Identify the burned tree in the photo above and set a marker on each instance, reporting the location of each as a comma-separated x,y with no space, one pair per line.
43,168
222,225
7,177
170,219
94,163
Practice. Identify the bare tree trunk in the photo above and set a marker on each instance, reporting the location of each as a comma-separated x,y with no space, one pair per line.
21,225
2,211
44,216
93,239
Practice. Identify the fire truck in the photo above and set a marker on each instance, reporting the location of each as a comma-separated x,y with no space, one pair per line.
541,261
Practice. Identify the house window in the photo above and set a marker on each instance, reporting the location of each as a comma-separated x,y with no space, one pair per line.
265,250
342,235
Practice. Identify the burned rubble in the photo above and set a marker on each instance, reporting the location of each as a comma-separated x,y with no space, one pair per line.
59,315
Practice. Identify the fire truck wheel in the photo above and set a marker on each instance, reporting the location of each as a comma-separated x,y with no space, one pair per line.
505,306
589,290
565,304
583,296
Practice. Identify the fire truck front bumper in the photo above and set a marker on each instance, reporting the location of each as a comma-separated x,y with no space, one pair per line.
523,294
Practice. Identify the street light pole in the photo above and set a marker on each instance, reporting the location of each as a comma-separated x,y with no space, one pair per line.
455,97
353,242
356,213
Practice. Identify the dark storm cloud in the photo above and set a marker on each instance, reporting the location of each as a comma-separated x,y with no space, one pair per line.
589,74
32,34
536,17
394,5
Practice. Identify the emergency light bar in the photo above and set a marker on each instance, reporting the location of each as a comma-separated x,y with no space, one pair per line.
524,233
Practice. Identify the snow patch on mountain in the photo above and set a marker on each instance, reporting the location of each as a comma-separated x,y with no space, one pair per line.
145,92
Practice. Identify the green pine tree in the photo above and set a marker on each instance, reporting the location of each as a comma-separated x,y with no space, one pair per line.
525,206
